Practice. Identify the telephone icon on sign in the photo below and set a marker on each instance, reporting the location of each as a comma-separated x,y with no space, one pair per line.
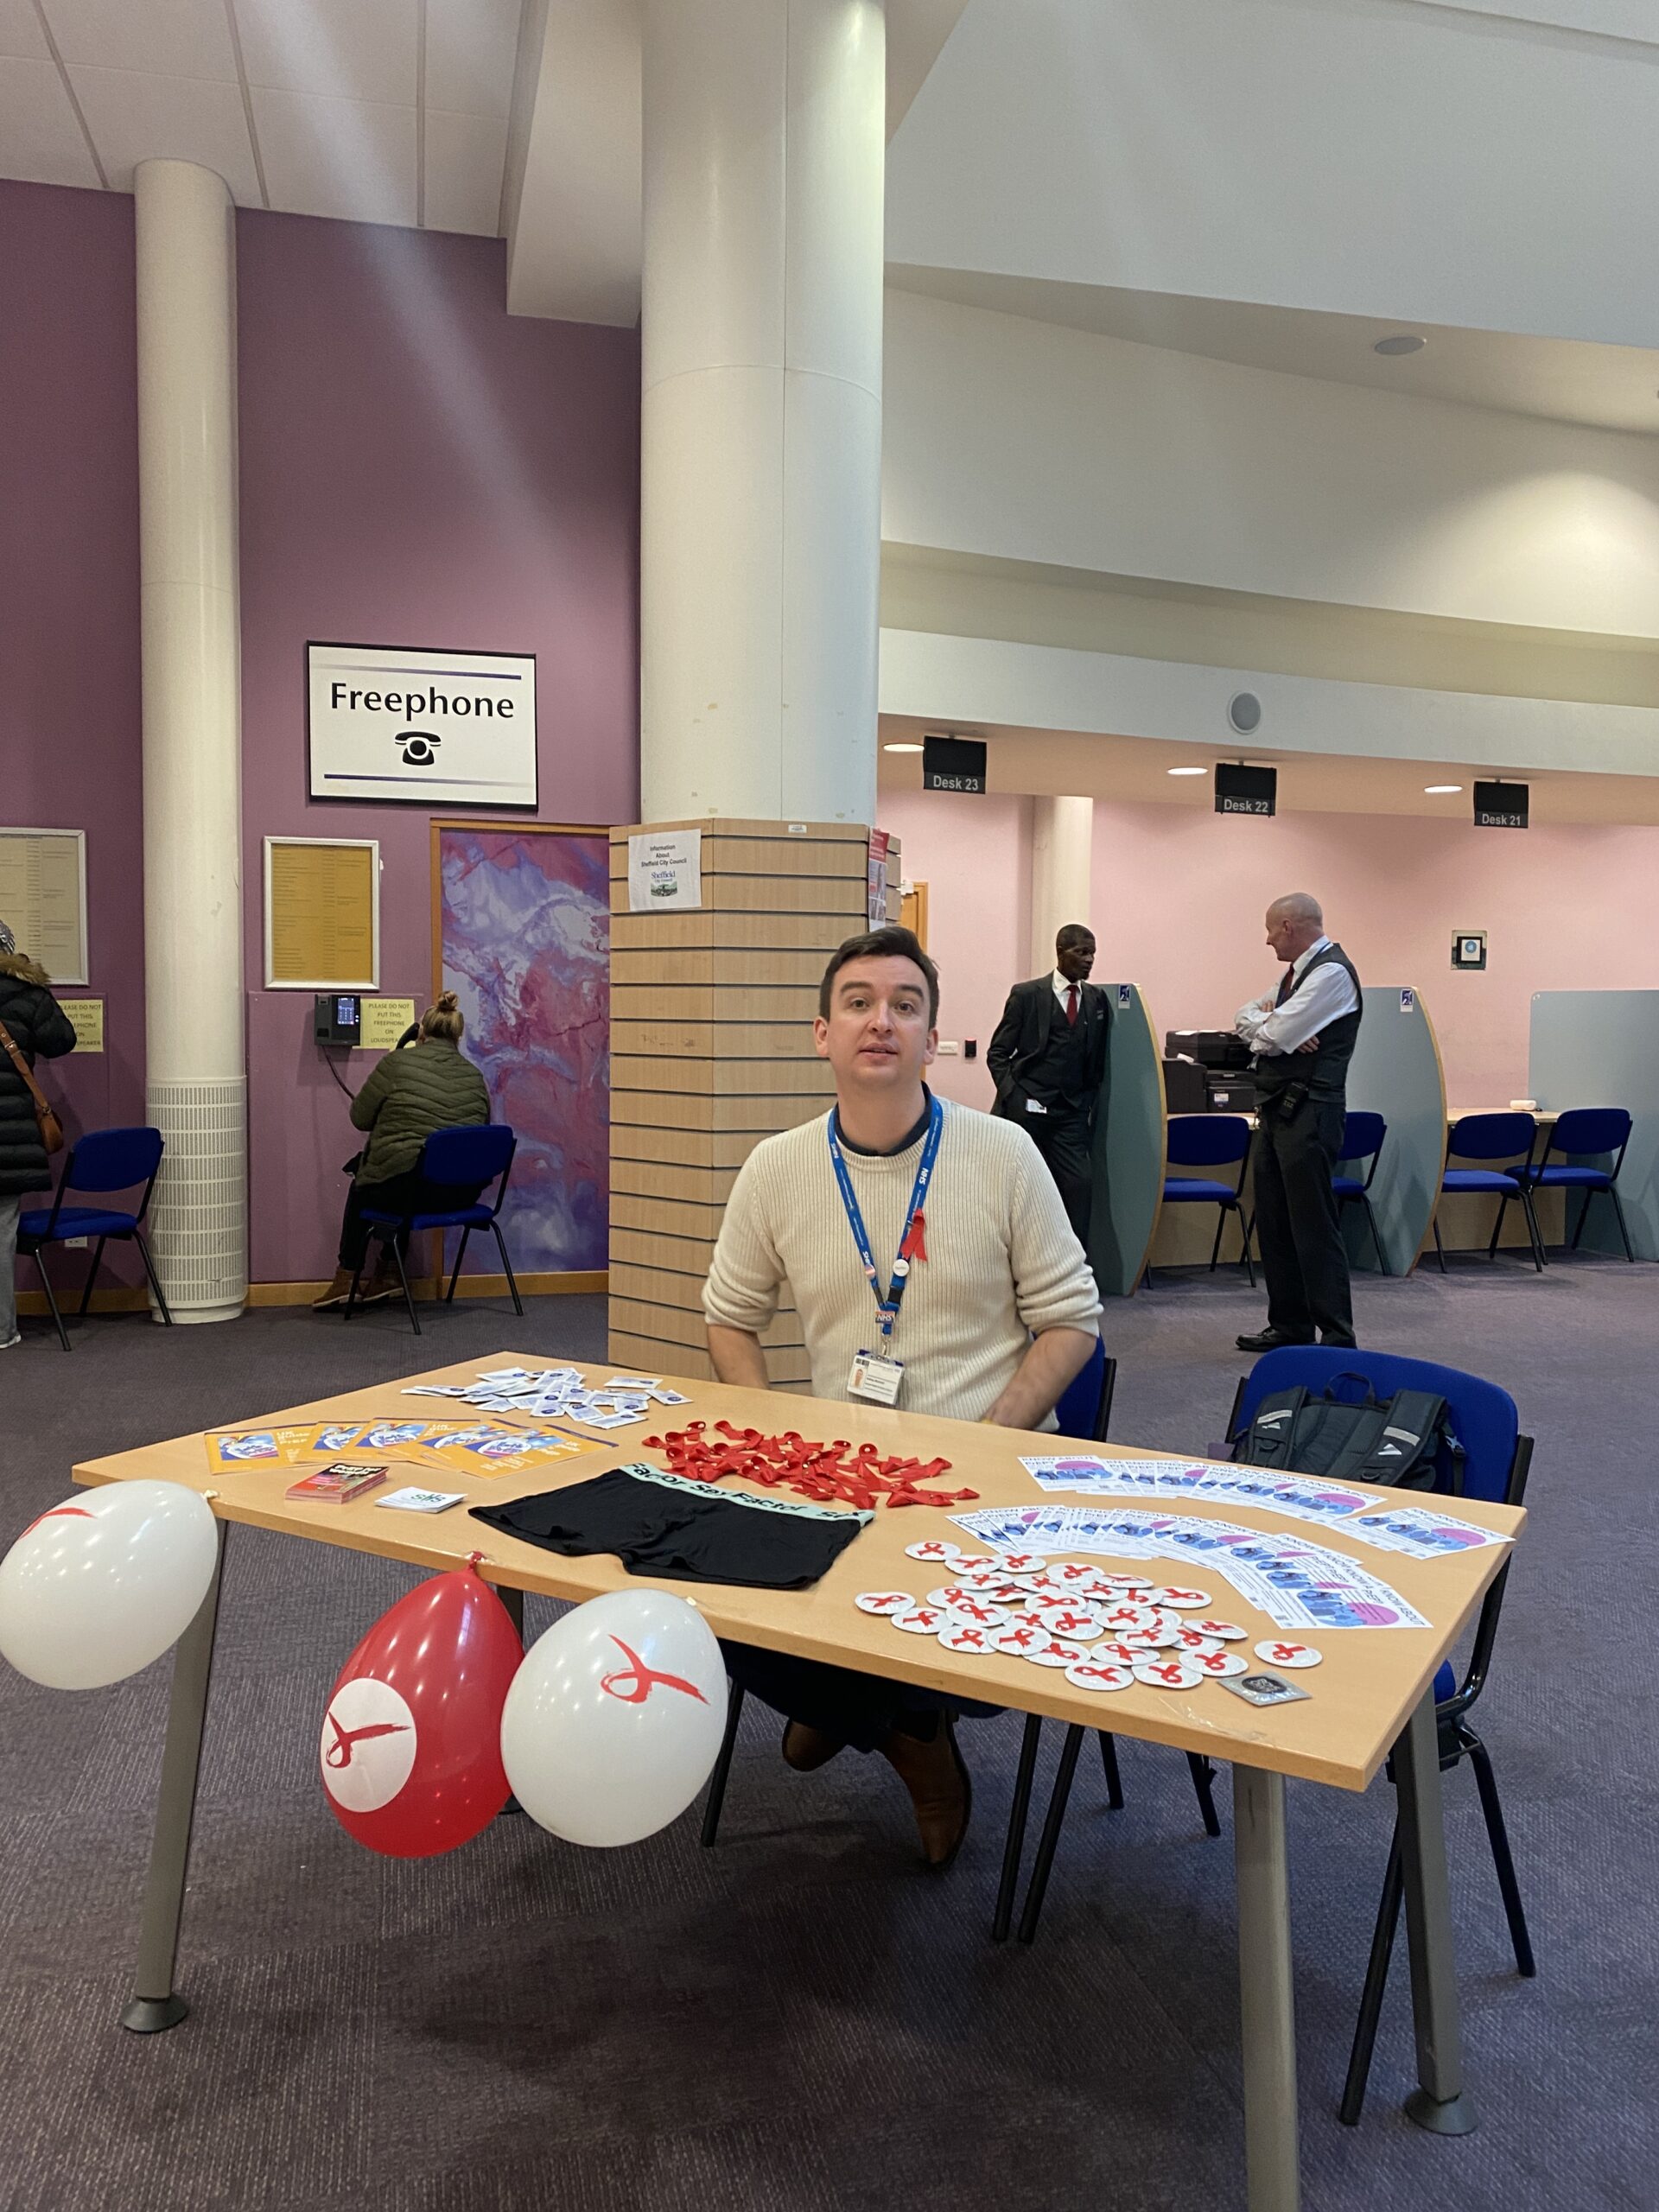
418,747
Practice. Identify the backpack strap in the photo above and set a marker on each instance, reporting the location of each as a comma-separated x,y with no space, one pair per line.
1271,1437
1406,1440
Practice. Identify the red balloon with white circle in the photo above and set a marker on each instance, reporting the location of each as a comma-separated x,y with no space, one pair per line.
411,1739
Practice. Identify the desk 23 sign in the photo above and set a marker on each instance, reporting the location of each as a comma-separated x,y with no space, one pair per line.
433,728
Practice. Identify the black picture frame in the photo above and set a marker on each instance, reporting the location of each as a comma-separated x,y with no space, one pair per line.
1469,949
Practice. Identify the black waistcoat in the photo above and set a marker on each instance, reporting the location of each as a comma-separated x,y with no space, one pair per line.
1324,1072
1060,1072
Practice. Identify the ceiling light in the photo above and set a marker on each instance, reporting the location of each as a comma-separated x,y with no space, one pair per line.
1441,791
1186,772
903,745
1403,341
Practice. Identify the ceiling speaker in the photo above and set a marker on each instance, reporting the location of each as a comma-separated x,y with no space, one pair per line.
1244,712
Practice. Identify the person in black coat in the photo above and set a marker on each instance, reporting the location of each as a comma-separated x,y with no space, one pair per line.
1048,1060
40,1030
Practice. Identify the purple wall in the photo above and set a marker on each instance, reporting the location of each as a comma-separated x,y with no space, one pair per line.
69,727
417,467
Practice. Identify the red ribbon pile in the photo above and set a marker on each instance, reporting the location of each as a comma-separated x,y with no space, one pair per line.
836,1473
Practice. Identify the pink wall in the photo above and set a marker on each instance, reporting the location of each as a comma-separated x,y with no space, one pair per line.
69,740
1179,895
975,856
417,468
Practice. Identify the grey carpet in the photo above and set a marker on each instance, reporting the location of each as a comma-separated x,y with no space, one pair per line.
799,2020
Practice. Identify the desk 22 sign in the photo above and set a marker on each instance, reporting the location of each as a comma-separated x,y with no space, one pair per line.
431,728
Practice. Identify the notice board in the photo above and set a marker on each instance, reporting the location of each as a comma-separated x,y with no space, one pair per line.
322,914
44,899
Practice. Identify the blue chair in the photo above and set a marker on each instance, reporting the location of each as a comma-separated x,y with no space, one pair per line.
1362,1136
1585,1133
1209,1140
1495,1464
1085,1404
456,1160
1493,1137
108,1159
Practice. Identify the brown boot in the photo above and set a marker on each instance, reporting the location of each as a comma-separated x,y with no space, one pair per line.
807,1749
381,1285
337,1293
940,1789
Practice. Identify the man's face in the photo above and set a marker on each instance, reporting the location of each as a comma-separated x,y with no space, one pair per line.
877,1036
1287,937
1076,961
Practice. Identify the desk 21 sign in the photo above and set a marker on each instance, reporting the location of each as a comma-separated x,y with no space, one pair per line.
449,729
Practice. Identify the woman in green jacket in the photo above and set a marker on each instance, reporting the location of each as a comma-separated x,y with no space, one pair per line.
428,1086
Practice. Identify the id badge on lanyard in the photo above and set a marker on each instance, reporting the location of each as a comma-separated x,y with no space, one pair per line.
876,1376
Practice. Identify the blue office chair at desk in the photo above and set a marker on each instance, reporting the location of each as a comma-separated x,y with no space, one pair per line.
1584,1134
1209,1140
1492,1137
464,1162
105,1161
1494,1466
1363,1135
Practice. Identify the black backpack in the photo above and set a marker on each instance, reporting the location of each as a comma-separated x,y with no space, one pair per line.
1405,1441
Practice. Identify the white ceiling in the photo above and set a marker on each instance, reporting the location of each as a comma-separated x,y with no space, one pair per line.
1562,379
380,110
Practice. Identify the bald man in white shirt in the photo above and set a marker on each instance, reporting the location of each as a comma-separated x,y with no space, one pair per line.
1302,1037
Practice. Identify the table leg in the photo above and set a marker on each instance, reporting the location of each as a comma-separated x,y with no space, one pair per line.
1439,2103
1267,2012
514,1602
156,2003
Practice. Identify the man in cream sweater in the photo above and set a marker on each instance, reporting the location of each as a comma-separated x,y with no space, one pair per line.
932,1266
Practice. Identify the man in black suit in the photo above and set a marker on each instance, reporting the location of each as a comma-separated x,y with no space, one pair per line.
1047,1060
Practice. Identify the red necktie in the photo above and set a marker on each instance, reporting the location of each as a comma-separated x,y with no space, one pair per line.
1286,985
1071,1006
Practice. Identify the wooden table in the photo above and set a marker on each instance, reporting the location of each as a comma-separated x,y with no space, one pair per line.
1373,1694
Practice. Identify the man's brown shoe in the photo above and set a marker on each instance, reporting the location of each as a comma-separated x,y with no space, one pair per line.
936,1777
807,1749
337,1293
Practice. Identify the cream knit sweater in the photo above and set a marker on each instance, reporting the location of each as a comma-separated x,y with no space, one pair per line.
1002,1263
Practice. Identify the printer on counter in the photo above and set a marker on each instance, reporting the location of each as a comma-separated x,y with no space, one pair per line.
1207,1071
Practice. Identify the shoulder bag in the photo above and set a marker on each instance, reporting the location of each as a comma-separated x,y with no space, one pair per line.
50,1127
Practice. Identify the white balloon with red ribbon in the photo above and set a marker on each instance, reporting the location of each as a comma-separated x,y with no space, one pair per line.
614,1720
100,1585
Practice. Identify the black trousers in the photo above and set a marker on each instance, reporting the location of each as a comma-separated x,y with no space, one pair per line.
1067,1142
407,1194
1303,1256
860,1709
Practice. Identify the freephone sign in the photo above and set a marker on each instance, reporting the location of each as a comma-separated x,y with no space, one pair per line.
396,723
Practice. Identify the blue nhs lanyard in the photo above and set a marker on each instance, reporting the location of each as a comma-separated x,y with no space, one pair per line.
887,1307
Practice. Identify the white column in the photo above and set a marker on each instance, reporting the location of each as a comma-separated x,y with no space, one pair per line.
191,619
765,152
1062,849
